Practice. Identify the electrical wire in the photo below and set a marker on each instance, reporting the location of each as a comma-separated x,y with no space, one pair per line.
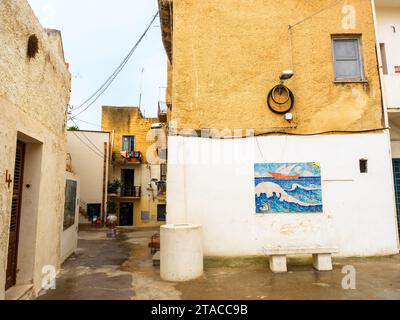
283,133
302,21
316,13
87,122
99,92
79,138
90,141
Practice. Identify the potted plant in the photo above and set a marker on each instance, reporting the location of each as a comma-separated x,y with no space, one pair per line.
114,187
112,217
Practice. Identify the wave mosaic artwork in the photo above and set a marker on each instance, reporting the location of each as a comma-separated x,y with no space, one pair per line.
288,188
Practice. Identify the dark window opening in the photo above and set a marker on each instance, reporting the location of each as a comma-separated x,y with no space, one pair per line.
93,211
128,188
161,212
364,166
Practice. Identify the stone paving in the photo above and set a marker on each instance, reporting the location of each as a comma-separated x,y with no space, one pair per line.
121,269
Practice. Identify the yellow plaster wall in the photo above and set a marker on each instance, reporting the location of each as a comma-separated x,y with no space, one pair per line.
228,54
128,121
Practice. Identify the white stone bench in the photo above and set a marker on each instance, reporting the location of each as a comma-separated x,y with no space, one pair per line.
322,257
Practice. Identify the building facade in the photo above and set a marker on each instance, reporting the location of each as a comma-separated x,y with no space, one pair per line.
388,34
34,94
262,160
137,175
89,157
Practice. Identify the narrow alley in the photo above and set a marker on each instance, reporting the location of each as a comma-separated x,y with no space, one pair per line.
121,269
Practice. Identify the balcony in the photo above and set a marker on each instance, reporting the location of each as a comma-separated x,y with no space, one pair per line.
125,157
130,192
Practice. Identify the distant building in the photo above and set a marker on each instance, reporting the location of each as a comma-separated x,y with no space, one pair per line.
89,156
388,30
34,95
259,162
137,174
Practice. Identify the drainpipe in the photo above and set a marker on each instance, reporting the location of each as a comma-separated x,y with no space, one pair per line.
111,151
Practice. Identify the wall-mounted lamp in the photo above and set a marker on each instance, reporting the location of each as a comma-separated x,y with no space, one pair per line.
280,98
286,75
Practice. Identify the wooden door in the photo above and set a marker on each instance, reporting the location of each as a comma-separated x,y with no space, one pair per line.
11,275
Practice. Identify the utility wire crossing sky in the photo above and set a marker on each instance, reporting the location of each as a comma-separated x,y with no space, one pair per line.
97,35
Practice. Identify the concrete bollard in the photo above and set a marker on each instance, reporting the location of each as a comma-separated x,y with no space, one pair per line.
181,252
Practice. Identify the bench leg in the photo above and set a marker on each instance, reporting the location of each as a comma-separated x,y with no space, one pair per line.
277,264
322,262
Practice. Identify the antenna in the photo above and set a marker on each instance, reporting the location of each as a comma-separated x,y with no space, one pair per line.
141,87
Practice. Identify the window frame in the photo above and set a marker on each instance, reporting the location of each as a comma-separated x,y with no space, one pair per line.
134,142
358,38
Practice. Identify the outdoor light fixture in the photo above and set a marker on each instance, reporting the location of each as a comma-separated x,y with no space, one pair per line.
280,98
286,75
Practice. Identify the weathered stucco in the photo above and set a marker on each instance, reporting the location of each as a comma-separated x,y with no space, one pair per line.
228,54
34,94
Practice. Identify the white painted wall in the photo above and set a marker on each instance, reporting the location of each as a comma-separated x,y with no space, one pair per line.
218,193
389,17
394,122
88,163
69,237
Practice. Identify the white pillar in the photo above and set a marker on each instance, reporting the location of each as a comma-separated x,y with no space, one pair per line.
181,252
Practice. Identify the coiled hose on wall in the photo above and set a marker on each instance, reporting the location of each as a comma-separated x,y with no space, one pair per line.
275,105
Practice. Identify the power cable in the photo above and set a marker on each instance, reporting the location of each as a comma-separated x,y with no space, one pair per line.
90,141
99,92
95,152
87,122
316,13
198,133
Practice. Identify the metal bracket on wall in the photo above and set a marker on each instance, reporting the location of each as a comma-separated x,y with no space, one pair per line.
8,179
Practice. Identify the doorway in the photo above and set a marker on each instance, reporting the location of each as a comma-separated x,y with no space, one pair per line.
127,182
126,214
12,257
93,210
396,175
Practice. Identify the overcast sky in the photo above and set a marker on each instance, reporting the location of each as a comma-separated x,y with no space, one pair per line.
97,35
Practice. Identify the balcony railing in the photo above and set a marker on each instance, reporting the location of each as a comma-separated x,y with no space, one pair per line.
133,192
134,157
